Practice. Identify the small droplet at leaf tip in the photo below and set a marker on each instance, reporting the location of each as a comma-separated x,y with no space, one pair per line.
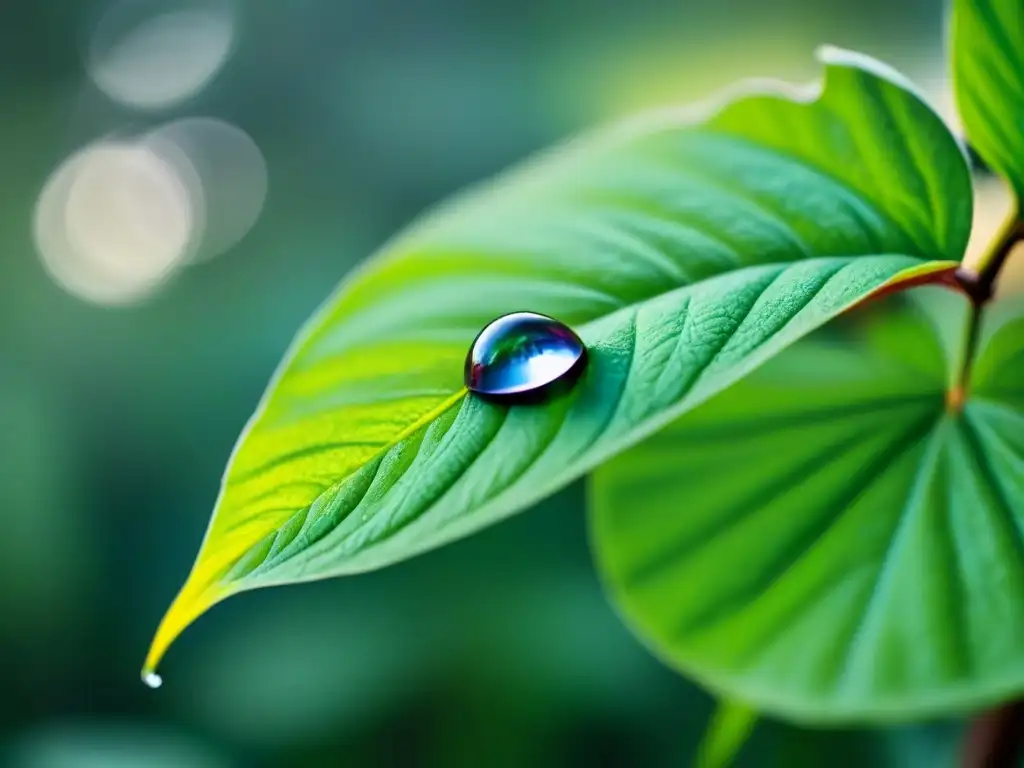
152,679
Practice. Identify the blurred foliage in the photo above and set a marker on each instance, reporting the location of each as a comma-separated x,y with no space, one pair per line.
116,422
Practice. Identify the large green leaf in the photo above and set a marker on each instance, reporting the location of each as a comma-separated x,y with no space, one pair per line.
685,251
829,540
987,39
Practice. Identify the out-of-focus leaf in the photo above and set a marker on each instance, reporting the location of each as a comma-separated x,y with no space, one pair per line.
728,730
829,540
46,552
988,68
109,745
327,664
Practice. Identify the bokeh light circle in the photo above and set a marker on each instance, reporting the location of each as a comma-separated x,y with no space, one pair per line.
153,55
114,221
224,167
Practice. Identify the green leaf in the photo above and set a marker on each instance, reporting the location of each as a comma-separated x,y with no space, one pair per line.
987,38
729,729
828,540
685,250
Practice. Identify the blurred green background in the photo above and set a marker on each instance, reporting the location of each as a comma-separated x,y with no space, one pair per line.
119,406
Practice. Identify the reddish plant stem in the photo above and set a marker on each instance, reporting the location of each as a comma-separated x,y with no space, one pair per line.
996,738
980,285
957,393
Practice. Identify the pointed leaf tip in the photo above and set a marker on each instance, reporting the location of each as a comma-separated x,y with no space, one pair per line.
189,605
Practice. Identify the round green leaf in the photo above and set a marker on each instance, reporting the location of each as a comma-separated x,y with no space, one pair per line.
828,540
684,249
987,38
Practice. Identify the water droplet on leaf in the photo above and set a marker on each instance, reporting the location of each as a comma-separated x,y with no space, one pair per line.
524,357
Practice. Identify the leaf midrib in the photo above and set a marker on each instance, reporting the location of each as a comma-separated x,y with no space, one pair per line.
638,432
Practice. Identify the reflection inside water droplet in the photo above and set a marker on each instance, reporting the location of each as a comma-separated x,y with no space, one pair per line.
524,356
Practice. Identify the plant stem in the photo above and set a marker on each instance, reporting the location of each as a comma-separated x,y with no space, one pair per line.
957,393
979,285
996,738
979,282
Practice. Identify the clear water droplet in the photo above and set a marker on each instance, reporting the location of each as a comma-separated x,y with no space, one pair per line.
152,679
524,357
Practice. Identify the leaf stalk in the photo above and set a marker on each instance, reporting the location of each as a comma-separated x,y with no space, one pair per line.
996,737
979,283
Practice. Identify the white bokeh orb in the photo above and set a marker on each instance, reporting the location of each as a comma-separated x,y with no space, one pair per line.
224,167
114,221
153,55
